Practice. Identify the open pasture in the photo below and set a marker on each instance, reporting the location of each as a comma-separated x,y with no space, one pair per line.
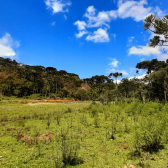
83,135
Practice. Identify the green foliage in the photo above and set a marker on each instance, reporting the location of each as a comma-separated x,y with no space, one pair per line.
150,134
86,135
37,82
157,26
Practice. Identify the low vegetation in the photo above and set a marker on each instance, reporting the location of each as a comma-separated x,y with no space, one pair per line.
83,135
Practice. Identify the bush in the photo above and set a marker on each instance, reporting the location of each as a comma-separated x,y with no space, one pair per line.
149,136
35,97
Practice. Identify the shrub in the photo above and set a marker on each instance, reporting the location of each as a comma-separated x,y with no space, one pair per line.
70,152
35,97
149,136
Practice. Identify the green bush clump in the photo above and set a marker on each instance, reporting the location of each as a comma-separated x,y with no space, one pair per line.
35,97
149,135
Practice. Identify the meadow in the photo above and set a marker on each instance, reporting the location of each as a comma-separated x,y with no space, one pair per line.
83,135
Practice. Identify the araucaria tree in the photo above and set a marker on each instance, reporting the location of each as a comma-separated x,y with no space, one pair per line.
159,26
115,75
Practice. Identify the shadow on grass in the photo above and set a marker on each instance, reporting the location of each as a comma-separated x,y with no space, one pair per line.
72,162
152,148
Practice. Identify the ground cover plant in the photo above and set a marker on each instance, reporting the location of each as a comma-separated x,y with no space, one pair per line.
83,135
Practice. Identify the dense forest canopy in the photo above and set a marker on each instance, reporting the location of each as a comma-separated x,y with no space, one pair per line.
17,79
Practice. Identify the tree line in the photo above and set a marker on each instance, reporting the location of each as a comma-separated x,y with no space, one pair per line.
22,80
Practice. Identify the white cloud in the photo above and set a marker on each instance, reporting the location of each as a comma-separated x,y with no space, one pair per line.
132,70
152,35
113,14
138,77
114,62
133,9
65,17
123,72
115,70
157,52
130,40
100,35
118,81
80,24
6,46
142,59
162,57
159,12
53,24
91,10
114,35
81,33
57,5
137,10
144,50
96,21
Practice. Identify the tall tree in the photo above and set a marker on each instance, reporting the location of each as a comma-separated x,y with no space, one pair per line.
152,65
159,26
115,75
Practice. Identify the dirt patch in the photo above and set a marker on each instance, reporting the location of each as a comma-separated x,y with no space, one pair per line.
58,100
31,141
50,101
46,137
20,136
40,103
11,129
130,166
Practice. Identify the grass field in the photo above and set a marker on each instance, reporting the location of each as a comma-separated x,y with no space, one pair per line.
37,134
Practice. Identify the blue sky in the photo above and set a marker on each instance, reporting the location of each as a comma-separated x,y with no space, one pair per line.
87,37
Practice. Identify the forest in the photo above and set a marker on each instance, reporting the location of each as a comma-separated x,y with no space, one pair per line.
21,80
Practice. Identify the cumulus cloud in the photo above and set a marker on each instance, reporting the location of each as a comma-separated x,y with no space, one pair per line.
102,18
162,57
91,10
114,62
138,77
112,70
137,10
133,9
81,33
6,46
157,52
99,36
57,5
80,24
144,50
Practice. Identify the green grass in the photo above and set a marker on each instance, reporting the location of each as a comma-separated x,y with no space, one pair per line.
111,136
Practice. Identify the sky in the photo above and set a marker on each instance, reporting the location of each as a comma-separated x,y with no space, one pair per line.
87,37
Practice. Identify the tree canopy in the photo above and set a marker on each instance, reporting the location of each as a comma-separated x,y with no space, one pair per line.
158,26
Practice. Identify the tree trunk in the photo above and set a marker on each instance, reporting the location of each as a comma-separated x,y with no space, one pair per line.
165,93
